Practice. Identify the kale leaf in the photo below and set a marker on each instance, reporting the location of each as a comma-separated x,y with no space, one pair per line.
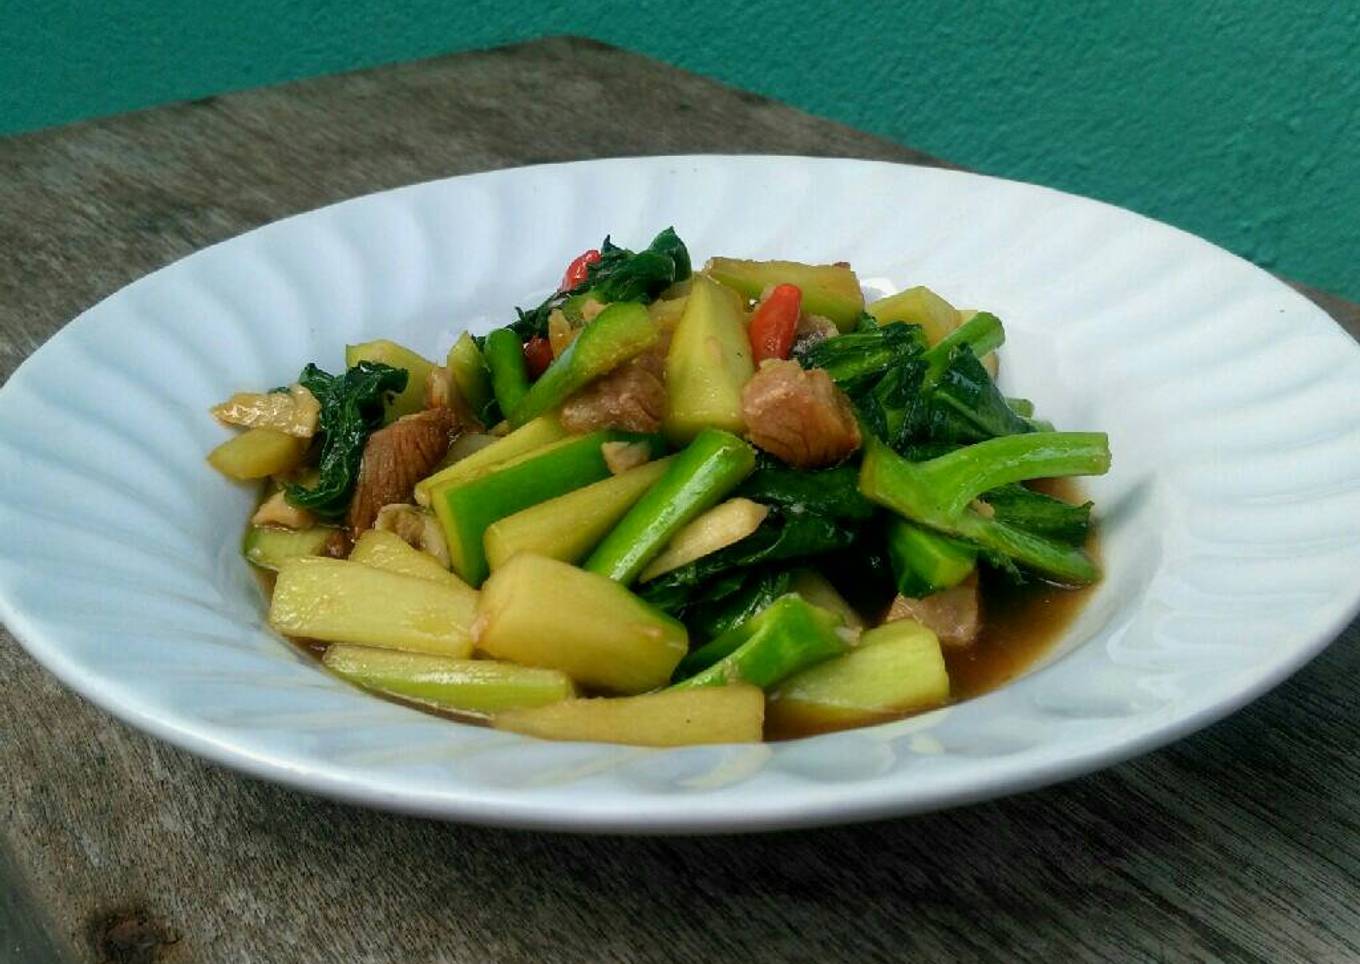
351,409
906,394
863,573
753,589
1041,514
895,409
855,361
784,535
641,276
832,493
882,370
965,404
619,275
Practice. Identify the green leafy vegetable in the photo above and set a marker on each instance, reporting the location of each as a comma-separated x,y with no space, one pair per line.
895,409
641,276
1041,514
939,407
619,275
964,404
351,409
788,635
906,393
1013,551
721,609
863,574
942,488
784,535
938,493
833,493
856,361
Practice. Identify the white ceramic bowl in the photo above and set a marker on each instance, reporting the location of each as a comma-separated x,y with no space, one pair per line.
1231,520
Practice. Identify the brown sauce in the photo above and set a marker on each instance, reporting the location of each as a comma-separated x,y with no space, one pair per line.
1019,625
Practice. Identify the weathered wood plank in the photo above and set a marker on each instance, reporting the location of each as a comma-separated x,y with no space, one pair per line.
1241,843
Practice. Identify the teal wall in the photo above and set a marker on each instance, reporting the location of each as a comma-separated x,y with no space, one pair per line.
1239,121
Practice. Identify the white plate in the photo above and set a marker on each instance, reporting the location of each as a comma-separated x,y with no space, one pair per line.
1231,519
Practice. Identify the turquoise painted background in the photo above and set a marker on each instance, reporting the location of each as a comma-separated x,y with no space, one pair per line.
1239,121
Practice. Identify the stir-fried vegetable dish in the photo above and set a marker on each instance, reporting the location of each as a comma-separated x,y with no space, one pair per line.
664,506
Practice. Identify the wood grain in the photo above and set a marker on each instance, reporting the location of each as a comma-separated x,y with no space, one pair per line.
1241,843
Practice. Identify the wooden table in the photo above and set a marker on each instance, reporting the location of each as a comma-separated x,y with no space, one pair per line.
1241,843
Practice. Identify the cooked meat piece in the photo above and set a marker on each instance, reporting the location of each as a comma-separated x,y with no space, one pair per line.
631,397
954,615
799,416
278,511
395,459
416,527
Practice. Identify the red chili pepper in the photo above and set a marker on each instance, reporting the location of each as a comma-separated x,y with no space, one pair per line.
538,355
775,322
579,270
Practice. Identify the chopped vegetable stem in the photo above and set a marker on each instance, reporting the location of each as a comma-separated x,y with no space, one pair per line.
982,333
970,471
937,493
505,360
925,561
710,467
788,636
